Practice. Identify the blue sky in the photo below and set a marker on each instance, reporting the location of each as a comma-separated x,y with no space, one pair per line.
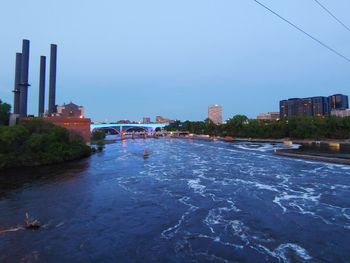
135,58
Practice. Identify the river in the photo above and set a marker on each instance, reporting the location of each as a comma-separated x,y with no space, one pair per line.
190,201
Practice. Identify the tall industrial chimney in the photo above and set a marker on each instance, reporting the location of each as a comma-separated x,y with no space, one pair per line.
17,86
52,88
23,97
42,86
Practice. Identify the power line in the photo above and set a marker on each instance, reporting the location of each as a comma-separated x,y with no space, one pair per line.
331,14
303,31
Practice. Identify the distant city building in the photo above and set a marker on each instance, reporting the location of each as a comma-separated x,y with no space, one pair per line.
70,110
295,107
338,102
215,113
123,122
146,120
160,119
269,116
314,106
341,113
320,106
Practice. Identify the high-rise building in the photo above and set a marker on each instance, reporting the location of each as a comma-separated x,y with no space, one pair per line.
146,120
215,113
296,107
338,102
284,109
320,106
314,106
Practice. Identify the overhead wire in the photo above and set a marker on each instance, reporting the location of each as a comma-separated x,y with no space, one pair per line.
303,31
332,15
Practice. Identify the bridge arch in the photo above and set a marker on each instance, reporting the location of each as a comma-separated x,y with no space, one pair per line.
136,129
108,130
122,127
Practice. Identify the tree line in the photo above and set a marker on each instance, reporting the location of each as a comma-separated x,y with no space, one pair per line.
240,126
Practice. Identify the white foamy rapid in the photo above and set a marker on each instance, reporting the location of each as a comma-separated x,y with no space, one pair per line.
241,197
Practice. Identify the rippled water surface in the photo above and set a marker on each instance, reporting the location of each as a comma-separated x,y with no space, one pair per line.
190,201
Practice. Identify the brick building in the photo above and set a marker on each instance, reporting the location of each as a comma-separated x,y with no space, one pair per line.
78,125
70,110
71,117
269,116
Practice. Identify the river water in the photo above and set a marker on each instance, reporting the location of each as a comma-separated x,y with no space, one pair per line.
190,201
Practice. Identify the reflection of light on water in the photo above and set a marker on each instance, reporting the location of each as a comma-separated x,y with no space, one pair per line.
334,147
124,143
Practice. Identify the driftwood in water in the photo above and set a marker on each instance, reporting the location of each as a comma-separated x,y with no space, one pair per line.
33,225
30,225
12,229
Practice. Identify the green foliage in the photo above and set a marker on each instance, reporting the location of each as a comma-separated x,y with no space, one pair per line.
240,126
36,142
100,145
98,136
5,110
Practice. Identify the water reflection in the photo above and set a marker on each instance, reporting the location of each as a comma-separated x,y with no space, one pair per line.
16,178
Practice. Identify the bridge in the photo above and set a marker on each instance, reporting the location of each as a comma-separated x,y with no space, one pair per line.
120,128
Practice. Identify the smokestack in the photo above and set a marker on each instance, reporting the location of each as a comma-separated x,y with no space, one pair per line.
52,88
23,97
42,86
16,89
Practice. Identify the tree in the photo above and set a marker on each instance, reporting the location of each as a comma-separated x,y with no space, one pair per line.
5,110
98,135
235,125
100,145
37,142
210,127
296,128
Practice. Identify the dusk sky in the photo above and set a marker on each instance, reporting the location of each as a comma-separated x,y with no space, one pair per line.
129,59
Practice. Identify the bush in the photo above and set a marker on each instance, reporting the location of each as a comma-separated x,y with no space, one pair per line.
100,146
98,136
36,142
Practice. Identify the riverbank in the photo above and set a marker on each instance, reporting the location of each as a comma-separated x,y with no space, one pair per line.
312,157
316,155
36,142
260,140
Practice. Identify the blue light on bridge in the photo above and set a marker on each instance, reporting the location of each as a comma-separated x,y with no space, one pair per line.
125,126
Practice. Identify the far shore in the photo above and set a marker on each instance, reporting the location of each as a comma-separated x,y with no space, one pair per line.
260,140
295,153
312,157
